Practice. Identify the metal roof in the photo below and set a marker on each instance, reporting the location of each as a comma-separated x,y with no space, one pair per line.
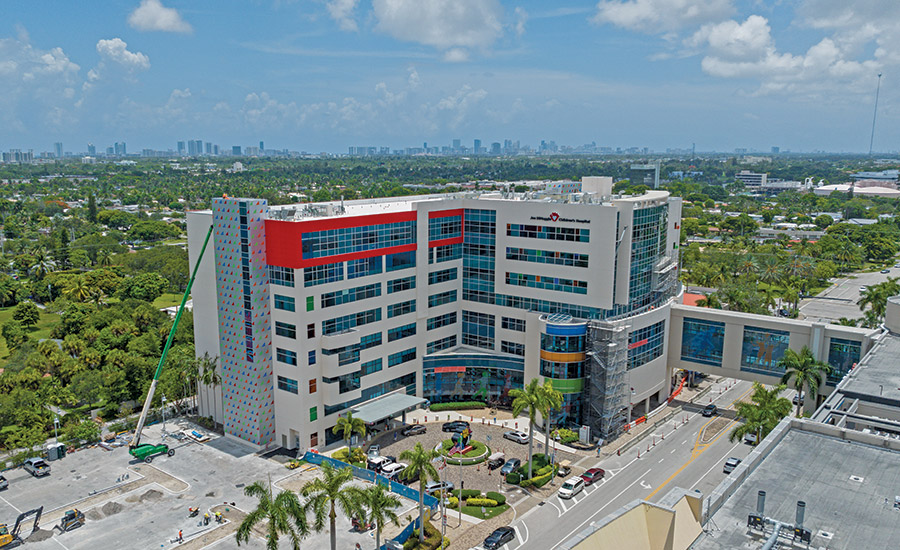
387,407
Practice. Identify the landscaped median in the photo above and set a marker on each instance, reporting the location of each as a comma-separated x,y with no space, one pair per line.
542,473
474,504
477,454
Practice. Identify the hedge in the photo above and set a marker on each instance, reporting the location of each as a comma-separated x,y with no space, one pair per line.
539,481
432,539
458,406
514,478
452,502
466,493
566,436
540,461
501,499
342,454
486,502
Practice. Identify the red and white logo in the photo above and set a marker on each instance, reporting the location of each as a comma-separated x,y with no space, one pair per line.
554,216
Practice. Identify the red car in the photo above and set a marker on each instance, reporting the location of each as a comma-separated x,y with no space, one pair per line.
592,475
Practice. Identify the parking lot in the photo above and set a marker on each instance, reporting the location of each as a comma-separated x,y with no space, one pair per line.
129,504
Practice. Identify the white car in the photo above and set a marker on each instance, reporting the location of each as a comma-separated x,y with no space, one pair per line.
374,450
863,288
518,437
571,487
392,471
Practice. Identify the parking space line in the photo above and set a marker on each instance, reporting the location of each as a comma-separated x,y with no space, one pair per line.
563,506
11,505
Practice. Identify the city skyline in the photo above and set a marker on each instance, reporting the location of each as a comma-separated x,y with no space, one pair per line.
324,76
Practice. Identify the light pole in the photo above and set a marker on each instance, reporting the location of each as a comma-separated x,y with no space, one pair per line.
164,415
56,427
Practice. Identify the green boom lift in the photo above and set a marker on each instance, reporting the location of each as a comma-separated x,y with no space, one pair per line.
147,451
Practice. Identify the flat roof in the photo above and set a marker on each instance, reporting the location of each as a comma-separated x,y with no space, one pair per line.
387,407
877,377
849,489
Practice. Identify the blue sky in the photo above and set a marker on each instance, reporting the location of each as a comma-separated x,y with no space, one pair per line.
319,75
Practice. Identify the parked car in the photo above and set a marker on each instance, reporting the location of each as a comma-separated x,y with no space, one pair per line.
392,470
863,288
499,537
751,439
593,475
374,450
710,410
731,464
565,468
511,465
571,487
3,483
798,399
518,437
496,460
435,486
37,467
416,429
885,270
456,426
377,463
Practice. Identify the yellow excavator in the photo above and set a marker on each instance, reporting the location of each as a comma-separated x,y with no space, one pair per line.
10,538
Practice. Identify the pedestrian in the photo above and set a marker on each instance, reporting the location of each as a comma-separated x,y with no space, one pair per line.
358,547
180,537
206,518
395,436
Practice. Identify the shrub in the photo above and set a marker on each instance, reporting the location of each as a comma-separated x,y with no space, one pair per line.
514,478
458,406
344,453
565,436
539,481
452,502
432,539
543,470
109,412
466,493
486,502
501,499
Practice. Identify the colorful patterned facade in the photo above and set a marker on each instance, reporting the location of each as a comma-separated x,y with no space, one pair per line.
242,296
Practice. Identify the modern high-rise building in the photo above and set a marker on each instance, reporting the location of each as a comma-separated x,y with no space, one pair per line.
477,148
236,150
181,148
324,307
645,174
209,148
753,181
58,149
262,146
195,147
120,149
92,151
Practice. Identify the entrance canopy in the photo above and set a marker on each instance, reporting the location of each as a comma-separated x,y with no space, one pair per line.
387,407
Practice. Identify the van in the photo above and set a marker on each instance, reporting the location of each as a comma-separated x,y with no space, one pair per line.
571,487
496,460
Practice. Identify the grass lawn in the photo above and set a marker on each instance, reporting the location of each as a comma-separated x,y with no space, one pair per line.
478,448
475,511
37,332
167,300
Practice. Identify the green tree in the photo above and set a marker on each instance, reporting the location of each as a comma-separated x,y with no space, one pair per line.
14,335
805,370
146,286
380,505
79,258
530,399
420,465
552,400
27,313
823,220
762,414
325,494
284,513
347,426
876,296
92,208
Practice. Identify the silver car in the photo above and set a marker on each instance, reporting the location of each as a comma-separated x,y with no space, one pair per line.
518,437
3,483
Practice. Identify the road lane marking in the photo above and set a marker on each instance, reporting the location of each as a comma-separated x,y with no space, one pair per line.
647,486
610,501
660,460
562,504
716,465
672,451
519,536
551,504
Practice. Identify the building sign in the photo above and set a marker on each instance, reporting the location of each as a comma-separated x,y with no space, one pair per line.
554,217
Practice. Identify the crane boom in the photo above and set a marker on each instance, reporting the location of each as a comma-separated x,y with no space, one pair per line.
162,359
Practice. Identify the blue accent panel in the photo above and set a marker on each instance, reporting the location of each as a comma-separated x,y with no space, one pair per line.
566,330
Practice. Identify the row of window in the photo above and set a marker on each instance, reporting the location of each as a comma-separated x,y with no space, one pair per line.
441,320
402,308
448,227
512,347
551,233
547,257
443,343
405,331
478,329
401,357
322,274
347,240
446,253
645,344
547,283
347,322
442,276
511,323
348,295
283,276
442,298
398,285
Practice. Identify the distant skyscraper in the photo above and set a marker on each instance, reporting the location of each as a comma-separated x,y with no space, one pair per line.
776,150
209,148
457,144
195,147
262,146
91,149
477,146
110,151
646,174
119,148
180,147
236,150
58,149
495,148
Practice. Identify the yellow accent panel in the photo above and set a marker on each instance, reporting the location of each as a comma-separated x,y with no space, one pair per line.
562,357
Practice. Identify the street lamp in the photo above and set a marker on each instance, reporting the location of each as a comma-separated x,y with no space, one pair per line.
164,415
56,427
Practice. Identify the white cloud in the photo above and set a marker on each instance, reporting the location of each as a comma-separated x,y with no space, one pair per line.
732,40
660,16
460,103
151,15
342,12
521,19
413,79
452,27
116,50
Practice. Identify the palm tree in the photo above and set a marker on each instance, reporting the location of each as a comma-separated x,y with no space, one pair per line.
42,262
711,300
553,399
806,370
420,465
104,257
381,505
284,513
347,426
766,409
847,322
531,399
80,291
327,493
876,296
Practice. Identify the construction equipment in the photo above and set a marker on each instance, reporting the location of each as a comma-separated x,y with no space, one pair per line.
10,538
71,520
145,452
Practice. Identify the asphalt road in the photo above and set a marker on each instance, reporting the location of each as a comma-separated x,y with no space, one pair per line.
839,300
685,458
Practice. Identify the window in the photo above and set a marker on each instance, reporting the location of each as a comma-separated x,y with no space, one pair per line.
442,276
400,357
347,382
283,276
478,329
842,355
397,285
445,253
371,367
548,233
286,356
547,257
285,303
311,357
402,308
311,330
441,320
447,227
313,439
347,322
310,303
287,384
562,344
312,385
313,414
763,349
400,260
347,295
645,344
443,343
363,267
286,329
322,274
547,283
401,332
512,347
511,323
442,298
332,242
702,341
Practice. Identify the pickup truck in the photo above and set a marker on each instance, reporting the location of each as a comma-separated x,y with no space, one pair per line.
37,467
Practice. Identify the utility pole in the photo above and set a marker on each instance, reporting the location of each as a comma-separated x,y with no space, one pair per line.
875,114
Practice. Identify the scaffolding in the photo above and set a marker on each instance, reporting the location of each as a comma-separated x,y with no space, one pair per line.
607,367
